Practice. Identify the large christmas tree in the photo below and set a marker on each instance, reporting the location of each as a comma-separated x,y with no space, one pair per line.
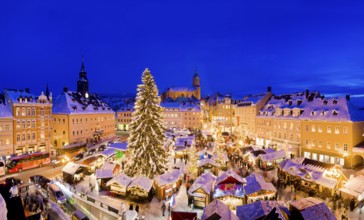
146,140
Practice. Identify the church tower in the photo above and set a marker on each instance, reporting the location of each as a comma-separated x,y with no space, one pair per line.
82,83
196,84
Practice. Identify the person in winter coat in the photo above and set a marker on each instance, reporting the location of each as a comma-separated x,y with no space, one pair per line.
163,208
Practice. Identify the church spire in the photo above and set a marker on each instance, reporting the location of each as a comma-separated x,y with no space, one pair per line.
83,66
82,83
47,91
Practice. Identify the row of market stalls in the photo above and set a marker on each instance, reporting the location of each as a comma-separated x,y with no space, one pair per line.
304,209
209,162
140,187
230,188
318,177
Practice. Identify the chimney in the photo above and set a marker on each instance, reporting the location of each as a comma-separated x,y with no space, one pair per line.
65,89
27,90
307,93
347,97
269,89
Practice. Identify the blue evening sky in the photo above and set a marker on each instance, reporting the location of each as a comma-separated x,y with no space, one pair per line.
237,46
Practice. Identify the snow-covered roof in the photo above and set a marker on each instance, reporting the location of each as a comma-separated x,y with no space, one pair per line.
142,182
123,146
308,172
5,109
74,103
180,142
103,174
109,166
205,161
313,209
256,183
260,209
181,89
169,177
71,168
354,186
227,174
250,100
108,152
234,190
205,182
275,155
312,107
181,106
18,96
121,179
217,207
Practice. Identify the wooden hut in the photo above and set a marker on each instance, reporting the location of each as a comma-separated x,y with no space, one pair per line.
73,172
168,183
140,188
257,188
207,165
119,184
201,190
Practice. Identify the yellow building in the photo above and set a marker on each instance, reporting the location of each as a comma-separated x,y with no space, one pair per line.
279,121
32,121
221,112
123,118
332,132
6,129
185,92
80,118
245,114
308,124
180,115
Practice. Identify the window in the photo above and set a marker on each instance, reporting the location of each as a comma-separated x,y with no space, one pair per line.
18,137
307,127
23,124
327,159
7,141
33,136
328,129
345,130
306,142
18,124
336,146
314,156
33,111
33,124
7,127
28,136
320,129
313,143
17,111
23,111
28,124
23,137
42,112
337,130
320,144
328,145
307,155
313,128
345,147
321,157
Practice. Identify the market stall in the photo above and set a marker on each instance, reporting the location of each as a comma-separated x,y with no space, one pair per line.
269,160
257,188
92,163
353,188
119,184
73,172
167,183
207,165
201,190
263,210
218,210
140,188
229,189
103,176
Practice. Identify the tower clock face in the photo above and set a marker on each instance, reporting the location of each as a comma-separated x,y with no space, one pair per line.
86,95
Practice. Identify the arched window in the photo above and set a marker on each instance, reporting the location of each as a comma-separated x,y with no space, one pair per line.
28,111
33,111
17,111
23,113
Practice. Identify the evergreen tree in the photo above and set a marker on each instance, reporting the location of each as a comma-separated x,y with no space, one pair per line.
146,139
192,160
218,155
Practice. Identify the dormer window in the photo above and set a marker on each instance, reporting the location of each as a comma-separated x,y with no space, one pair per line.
299,102
290,102
74,108
325,102
313,113
335,112
323,113
334,102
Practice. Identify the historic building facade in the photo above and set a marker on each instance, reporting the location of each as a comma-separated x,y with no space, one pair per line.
246,112
32,120
185,92
80,118
182,115
6,128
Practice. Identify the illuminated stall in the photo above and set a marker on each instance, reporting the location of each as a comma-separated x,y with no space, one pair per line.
140,189
229,189
119,184
167,183
201,190
257,188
